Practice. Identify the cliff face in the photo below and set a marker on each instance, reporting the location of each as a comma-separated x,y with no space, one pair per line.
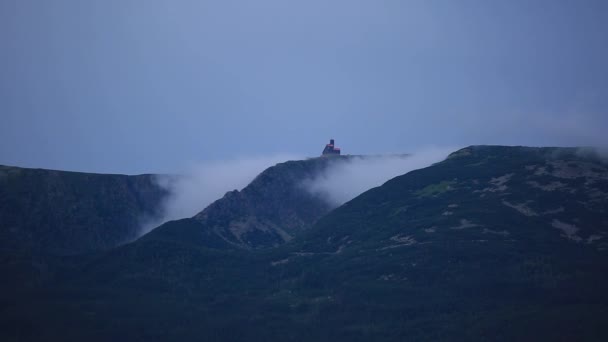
61,213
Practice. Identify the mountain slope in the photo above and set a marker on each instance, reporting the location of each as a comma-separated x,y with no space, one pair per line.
61,212
499,243
494,243
270,211
490,192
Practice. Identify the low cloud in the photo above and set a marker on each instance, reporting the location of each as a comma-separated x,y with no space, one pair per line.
200,185
341,181
345,180
597,153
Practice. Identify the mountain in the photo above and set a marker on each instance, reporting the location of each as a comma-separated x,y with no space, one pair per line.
64,213
274,208
499,243
494,243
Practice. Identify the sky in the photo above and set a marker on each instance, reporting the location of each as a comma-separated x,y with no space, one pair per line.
127,86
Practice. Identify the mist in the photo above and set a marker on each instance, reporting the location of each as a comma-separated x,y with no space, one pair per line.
599,153
203,183
345,180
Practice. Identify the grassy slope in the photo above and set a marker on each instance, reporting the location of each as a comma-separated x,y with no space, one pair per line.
466,249
63,212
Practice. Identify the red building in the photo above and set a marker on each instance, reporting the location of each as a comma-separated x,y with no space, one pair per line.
330,150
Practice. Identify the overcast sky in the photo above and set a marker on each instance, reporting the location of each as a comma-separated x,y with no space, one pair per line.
151,86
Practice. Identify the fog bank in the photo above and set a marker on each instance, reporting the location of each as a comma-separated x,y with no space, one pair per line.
345,180
341,181
203,183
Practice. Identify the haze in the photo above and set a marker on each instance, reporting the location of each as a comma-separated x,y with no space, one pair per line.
154,86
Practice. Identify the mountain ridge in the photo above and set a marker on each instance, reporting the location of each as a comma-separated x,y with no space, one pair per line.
73,212
445,252
273,208
494,242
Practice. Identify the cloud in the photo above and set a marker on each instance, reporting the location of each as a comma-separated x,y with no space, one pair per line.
344,180
200,185
341,181
595,153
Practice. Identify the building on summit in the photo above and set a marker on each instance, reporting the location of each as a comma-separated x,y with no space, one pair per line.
330,150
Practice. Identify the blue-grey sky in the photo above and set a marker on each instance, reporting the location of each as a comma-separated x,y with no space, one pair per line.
150,86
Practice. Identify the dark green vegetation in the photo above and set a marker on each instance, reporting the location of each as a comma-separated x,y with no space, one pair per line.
494,243
66,213
46,215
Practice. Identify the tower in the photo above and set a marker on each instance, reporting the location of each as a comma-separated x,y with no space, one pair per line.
330,149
